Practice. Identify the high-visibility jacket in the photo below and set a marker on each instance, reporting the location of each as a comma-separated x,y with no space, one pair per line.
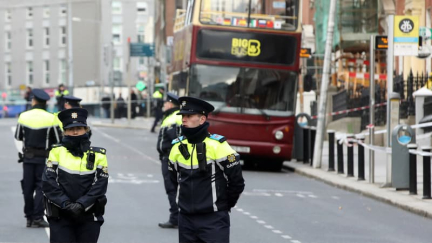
39,130
218,188
70,178
169,130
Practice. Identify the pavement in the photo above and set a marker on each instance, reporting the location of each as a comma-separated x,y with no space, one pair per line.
377,190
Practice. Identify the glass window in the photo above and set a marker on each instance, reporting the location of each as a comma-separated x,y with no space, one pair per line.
267,14
63,69
140,34
29,80
141,8
116,7
63,10
29,13
29,38
117,64
245,90
8,72
47,72
46,37
8,16
8,41
46,12
63,33
117,34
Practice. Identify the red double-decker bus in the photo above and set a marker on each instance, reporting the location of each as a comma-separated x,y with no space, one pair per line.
242,56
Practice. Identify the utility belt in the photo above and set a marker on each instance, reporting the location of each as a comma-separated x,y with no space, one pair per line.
30,153
54,211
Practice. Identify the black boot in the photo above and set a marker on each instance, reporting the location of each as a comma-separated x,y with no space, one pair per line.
29,222
168,225
39,223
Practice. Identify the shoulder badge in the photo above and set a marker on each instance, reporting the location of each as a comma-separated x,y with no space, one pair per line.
49,164
218,137
231,158
98,150
177,140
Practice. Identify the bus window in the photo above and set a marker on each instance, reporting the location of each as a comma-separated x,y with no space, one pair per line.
245,90
268,14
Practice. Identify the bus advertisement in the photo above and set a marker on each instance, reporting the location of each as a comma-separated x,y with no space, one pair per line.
242,56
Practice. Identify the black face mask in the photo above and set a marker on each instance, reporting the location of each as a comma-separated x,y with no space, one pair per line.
77,145
196,134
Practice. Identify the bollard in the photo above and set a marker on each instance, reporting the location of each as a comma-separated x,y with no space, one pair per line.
350,164
412,170
312,143
340,166
426,174
305,144
371,154
361,156
331,141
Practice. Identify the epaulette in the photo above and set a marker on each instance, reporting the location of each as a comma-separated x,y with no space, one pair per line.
218,137
177,140
57,145
98,150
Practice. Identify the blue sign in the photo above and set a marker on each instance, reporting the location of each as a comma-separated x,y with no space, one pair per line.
141,50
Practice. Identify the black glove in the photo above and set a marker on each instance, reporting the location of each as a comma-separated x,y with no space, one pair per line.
20,157
74,209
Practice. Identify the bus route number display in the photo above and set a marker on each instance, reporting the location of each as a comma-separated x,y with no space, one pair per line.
246,47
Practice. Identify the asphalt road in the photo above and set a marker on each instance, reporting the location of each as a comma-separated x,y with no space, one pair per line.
275,207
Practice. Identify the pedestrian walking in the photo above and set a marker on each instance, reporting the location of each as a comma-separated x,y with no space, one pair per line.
75,182
38,130
106,106
28,97
158,104
208,176
170,129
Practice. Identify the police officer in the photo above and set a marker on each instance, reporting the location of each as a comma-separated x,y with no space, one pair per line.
75,182
158,104
208,174
170,129
69,101
60,93
38,130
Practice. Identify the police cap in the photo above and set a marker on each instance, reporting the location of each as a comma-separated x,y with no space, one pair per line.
190,105
172,98
72,100
40,95
73,117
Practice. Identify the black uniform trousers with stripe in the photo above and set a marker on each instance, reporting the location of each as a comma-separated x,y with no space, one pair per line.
32,189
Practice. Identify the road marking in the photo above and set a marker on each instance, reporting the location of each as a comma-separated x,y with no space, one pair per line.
278,194
300,195
312,196
129,147
270,227
129,179
246,213
256,194
335,197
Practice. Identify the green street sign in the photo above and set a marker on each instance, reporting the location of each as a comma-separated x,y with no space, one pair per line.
140,86
141,50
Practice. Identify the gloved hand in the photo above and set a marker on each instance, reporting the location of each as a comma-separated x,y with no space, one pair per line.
74,209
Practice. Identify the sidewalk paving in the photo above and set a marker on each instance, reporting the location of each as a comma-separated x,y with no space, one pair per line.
399,198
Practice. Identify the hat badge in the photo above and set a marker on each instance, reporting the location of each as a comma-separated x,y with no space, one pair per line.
74,115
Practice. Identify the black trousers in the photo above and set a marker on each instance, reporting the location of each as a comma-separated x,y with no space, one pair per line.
31,184
209,227
67,231
170,190
158,117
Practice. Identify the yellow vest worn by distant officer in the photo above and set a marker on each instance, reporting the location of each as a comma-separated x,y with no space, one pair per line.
170,129
217,186
38,130
75,179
